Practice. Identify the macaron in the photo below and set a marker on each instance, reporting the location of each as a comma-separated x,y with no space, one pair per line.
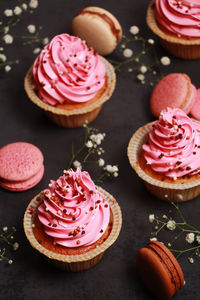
195,111
99,28
21,166
174,90
159,270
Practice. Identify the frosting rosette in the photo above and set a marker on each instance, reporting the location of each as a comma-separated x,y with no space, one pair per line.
179,17
173,148
67,71
73,212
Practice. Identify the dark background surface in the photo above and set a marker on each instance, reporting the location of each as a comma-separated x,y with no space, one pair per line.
30,277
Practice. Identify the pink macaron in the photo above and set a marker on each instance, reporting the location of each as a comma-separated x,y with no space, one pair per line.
21,166
195,111
174,90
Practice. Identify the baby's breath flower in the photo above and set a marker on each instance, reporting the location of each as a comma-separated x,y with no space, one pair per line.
8,12
77,164
5,228
153,239
151,218
45,40
130,70
33,3
10,261
89,144
36,50
165,60
24,6
191,260
198,239
109,168
140,77
171,224
134,30
15,246
7,68
151,41
8,39
164,217
127,52
143,69
31,28
101,162
115,174
17,10
190,237
6,29
2,57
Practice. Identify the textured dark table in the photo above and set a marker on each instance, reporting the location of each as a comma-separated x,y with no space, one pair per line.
30,277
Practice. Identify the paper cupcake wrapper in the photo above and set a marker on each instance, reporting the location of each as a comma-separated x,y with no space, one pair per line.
111,82
163,190
74,262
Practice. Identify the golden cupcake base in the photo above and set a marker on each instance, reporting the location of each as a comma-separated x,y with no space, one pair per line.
177,192
177,46
78,116
80,262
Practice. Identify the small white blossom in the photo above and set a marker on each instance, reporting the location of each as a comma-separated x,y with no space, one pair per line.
45,40
6,29
17,10
10,261
191,260
24,6
165,60
115,169
7,68
198,239
140,77
2,57
15,246
8,39
89,144
101,162
5,228
190,237
134,30
77,164
36,50
1,49
31,28
151,41
97,138
171,225
130,70
109,168
33,3
127,52
143,69
8,12
151,218
115,174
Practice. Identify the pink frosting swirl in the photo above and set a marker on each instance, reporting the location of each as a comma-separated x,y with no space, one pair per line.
73,211
174,144
68,71
179,17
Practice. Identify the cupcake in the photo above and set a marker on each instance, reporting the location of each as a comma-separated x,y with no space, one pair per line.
70,81
176,23
166,155
72,222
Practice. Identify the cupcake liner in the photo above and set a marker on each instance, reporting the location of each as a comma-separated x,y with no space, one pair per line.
78,116
166,191
179,47
74,263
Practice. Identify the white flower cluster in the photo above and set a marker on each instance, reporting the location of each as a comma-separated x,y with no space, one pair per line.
94,141
165,61
190,238
171,225
151,218
113,170
77,164
31,28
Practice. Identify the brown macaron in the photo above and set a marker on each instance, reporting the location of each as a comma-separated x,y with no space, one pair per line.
99,28
159,270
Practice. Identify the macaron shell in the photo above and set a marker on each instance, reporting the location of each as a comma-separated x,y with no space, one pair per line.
162,276
174,90
23,185
195,111
191,100
19,161
99,28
